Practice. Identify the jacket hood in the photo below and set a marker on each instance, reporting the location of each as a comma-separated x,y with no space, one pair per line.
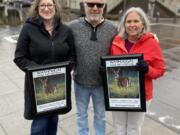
39,21
145,37
118,41
36,21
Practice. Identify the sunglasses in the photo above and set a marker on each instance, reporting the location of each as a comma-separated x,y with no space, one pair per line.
98,5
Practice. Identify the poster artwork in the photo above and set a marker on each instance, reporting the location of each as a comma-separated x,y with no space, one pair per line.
49,88
123,83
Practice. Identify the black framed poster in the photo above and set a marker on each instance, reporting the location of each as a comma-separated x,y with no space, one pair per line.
123,84
50,89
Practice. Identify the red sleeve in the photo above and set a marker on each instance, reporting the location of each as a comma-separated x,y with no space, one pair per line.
156,61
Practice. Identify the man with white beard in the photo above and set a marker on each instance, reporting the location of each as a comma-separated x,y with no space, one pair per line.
93,35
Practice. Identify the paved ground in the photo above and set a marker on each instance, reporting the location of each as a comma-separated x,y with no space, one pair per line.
162,119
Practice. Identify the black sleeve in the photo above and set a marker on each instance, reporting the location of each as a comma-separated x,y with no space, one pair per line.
72,56
22,56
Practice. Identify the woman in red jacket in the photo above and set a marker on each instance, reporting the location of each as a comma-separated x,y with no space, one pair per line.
135,37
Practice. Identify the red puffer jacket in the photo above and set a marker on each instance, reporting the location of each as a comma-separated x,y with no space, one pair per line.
152,55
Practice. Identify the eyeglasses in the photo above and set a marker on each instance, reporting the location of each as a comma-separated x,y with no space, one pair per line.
49,6
98,5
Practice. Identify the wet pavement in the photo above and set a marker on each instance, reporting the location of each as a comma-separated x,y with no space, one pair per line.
162,119
166,103
170,42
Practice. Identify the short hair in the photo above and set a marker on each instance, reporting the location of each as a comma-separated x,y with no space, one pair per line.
85,0
33,12
143,17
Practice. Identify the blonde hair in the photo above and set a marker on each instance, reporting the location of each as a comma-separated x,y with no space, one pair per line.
33,12
143,17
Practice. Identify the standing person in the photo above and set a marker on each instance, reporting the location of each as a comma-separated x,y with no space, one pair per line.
93,36
135,37
43,40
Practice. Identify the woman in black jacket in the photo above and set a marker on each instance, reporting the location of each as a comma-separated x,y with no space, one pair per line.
43,40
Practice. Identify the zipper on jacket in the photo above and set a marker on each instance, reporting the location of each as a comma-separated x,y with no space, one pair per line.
94,29
94,34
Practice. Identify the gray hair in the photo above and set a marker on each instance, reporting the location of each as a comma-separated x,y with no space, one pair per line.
143,17
103,1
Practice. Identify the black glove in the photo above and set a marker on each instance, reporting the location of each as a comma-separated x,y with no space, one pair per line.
142,66
102,70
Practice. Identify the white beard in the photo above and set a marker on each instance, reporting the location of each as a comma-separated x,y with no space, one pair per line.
94,17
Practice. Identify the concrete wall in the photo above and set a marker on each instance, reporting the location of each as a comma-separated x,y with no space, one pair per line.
74,4
112,3
172,5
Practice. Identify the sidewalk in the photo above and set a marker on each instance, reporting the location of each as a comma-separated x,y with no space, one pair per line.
12,99
12,95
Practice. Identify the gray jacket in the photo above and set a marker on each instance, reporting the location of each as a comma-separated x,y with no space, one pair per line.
91,43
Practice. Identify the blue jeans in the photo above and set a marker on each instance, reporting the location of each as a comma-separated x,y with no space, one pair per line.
45,125
82,95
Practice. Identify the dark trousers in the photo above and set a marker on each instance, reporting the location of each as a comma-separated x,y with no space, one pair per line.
45,125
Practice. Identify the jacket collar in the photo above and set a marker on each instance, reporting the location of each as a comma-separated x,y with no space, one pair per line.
85,19
119,42
39,22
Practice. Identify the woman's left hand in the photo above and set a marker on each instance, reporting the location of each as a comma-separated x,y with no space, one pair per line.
143,66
